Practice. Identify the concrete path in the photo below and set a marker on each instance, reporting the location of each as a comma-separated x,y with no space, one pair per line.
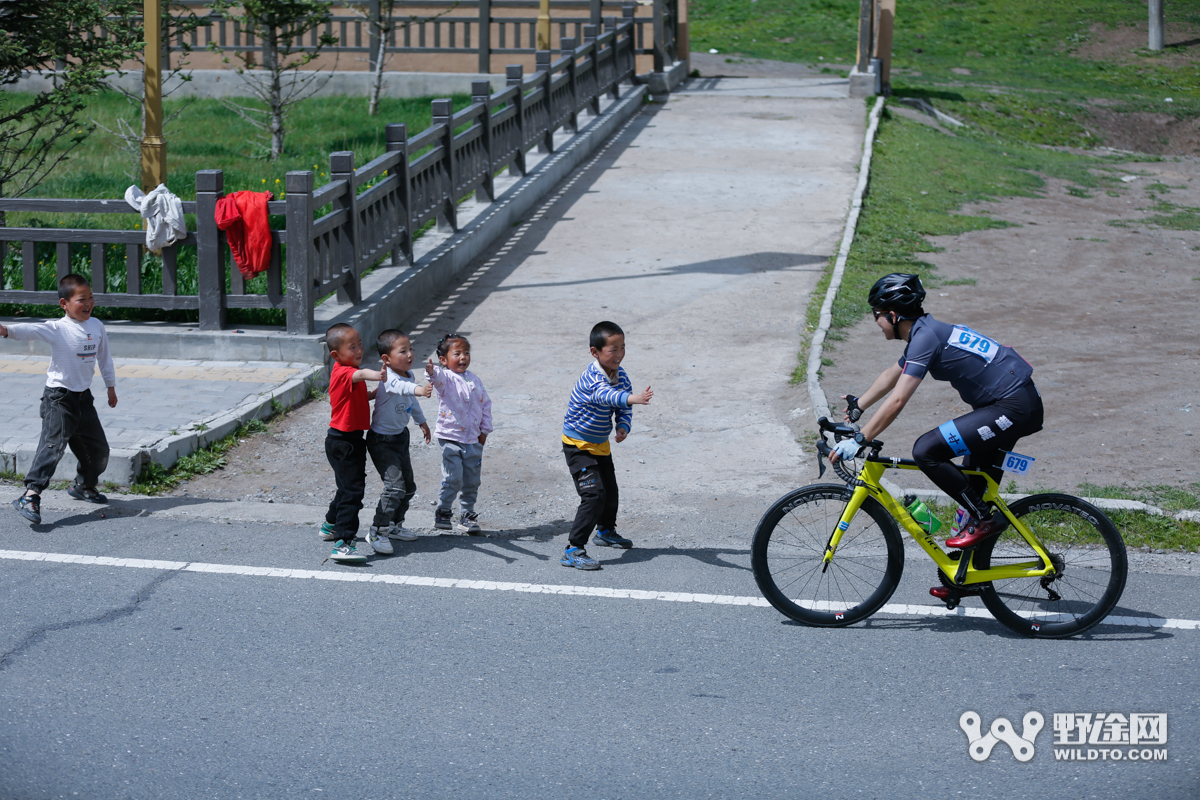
156,401
701,230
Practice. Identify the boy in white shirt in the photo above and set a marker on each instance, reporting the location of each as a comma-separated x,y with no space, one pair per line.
388,439
68,411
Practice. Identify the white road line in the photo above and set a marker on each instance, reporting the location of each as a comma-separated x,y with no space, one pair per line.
898,609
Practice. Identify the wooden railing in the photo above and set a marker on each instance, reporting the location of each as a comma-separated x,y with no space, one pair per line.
447,27
374,210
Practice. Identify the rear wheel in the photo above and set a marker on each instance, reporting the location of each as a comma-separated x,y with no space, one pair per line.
1089,558
789,547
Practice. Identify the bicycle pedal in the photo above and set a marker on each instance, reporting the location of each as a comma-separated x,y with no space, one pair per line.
947,595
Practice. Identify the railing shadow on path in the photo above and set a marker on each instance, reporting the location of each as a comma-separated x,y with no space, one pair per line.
747,264
491,268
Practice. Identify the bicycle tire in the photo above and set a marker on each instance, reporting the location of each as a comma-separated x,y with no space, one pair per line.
1089,554
788,549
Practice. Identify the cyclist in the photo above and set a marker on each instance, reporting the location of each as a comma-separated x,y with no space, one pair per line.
990,377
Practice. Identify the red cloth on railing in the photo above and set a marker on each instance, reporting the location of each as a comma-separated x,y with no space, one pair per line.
243,217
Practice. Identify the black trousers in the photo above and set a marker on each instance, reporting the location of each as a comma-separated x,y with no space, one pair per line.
979,436
69,419
389,453
596,482
347,454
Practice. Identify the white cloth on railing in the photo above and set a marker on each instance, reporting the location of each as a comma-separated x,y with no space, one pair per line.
163,212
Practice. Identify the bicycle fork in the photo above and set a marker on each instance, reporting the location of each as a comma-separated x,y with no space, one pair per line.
835,537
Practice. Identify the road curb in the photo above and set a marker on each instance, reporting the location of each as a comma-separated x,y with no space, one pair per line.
820,404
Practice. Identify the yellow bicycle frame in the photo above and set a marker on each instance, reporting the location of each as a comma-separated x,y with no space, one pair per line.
868,485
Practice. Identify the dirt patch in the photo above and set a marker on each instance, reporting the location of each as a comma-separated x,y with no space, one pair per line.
734,65
1099,310
1126,44
1144,132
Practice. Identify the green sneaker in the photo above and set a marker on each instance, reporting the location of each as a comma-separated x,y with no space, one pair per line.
328,533
345,553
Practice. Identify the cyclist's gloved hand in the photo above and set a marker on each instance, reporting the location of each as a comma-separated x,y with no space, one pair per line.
846,448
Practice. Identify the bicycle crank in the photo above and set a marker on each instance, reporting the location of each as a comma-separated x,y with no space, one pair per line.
962,591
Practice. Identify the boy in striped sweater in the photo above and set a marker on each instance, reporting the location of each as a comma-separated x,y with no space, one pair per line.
600,393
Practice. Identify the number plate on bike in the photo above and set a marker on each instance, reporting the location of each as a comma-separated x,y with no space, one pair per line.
1016,463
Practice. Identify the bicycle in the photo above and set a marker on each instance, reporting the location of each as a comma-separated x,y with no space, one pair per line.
831,555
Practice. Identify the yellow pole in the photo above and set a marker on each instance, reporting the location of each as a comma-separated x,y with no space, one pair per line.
154,149
543,25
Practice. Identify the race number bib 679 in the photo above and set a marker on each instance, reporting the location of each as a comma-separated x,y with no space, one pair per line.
966,339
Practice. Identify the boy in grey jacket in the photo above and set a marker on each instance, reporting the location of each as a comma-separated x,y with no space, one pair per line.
388,439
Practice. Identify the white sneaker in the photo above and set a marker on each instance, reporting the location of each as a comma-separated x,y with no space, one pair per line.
379,541
402,533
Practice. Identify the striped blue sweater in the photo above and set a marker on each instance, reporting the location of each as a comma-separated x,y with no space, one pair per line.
594,401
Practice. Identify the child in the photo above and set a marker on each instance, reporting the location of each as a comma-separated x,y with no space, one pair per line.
464,422
387,441
602,391
344,445
68,410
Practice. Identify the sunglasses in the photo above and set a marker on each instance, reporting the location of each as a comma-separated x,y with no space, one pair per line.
877,313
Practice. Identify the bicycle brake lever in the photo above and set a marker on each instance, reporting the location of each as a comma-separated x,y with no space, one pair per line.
823,449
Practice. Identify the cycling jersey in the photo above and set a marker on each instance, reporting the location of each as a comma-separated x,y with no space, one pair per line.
980,369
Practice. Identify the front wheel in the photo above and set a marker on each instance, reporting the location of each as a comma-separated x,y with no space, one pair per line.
787,556
1089,560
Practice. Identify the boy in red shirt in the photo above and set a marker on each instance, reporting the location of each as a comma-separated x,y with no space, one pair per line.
345,446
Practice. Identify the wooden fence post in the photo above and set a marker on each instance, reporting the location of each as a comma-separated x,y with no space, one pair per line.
299,186
610,24
660,43
397,142
481,92
210,261
341,168
589,37
515,76
541,60
568,50
628,15
443,113
485,36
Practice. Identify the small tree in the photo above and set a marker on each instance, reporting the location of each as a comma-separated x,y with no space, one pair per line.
384,28
280,27
38,132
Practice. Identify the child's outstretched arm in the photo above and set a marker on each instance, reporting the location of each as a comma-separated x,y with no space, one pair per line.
642,399
366,375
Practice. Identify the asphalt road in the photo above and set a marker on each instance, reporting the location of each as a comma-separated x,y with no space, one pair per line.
127,681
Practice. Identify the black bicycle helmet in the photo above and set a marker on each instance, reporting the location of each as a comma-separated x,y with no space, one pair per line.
899,292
